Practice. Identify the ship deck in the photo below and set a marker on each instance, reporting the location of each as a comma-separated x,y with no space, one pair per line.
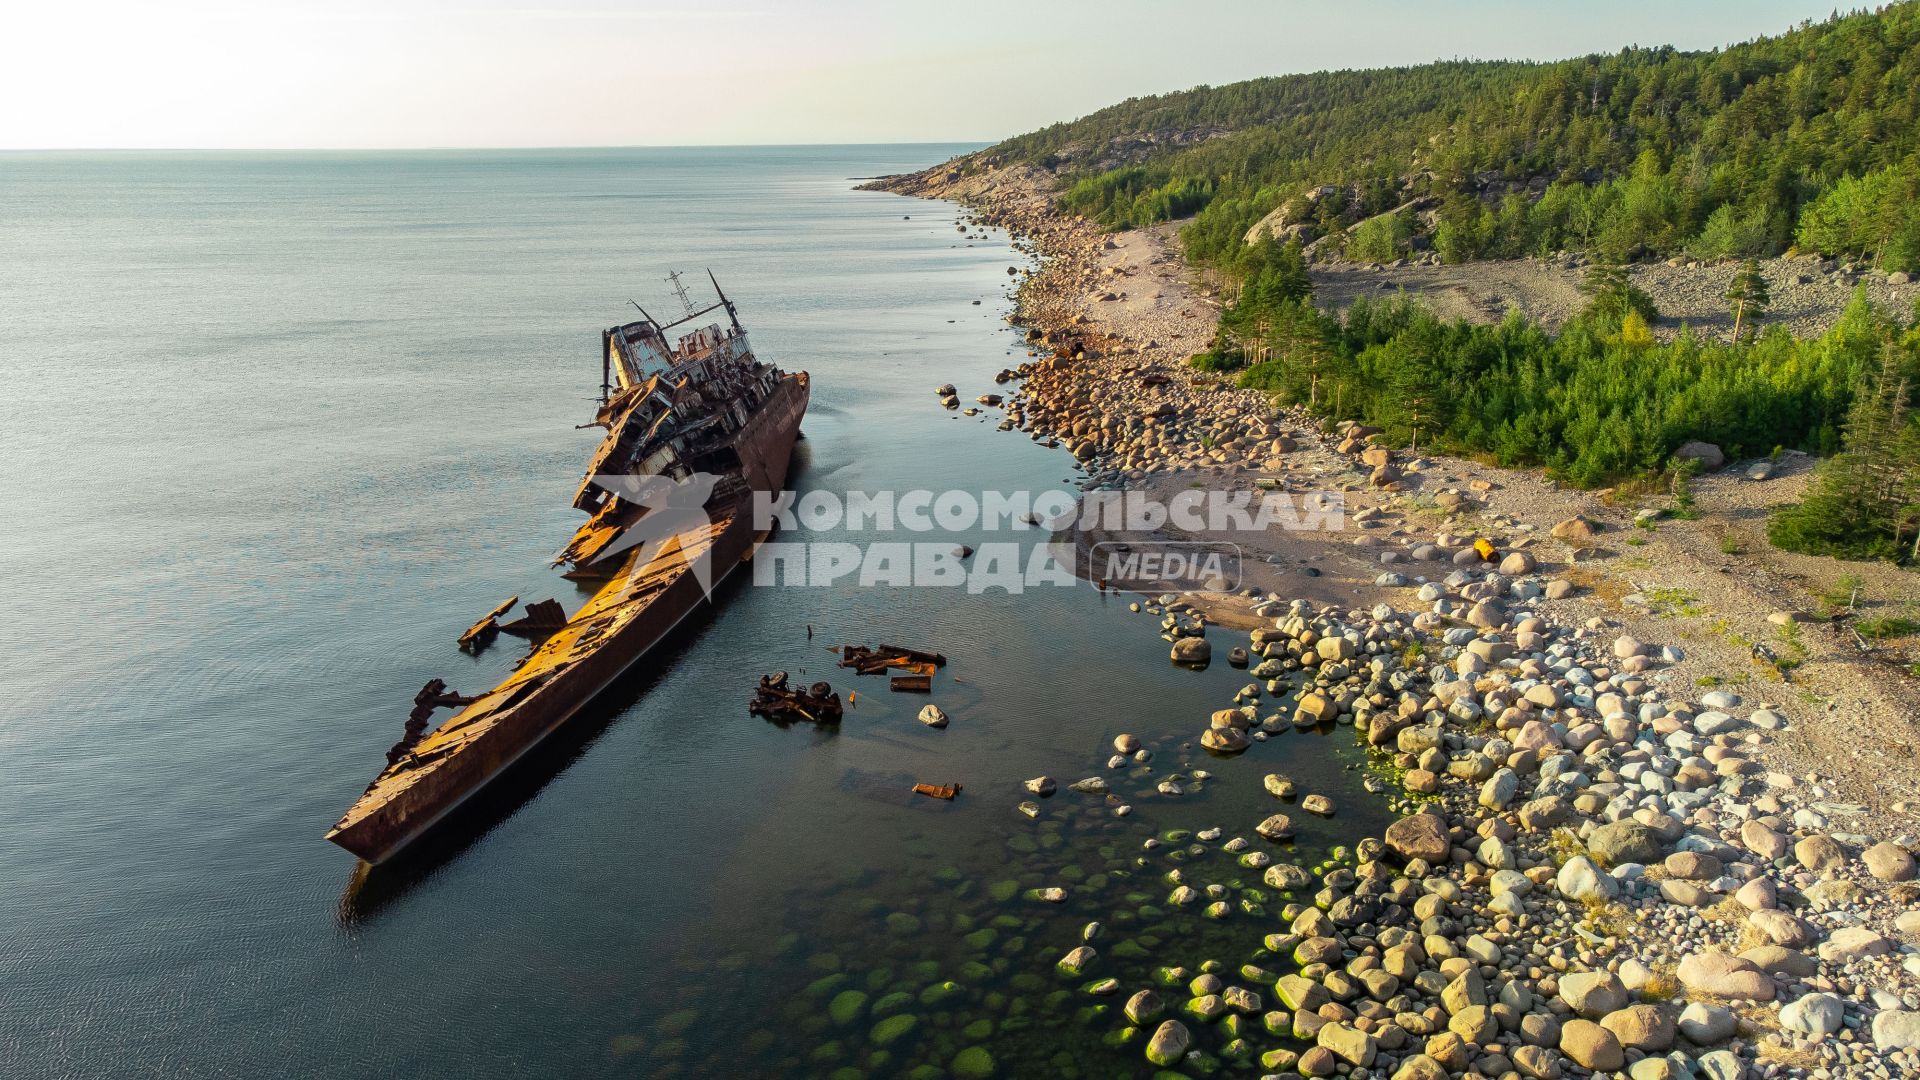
623,598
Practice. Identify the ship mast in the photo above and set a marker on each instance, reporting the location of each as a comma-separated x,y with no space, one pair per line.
680,290
728,304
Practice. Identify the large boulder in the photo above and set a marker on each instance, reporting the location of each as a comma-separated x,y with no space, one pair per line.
1223,740
1475,1025
1542,814
1315,708
1889,862
1500,789
1820,853
1708,455
1420,836
1625,842
1349,1044
1273,225
1576,530
1169,1043
1815,1015
1723,975
1335,647
1782,929
1192,650
1763,841
1593,994
1896,1029
1144,1006
1692,866
1537,1062
1780,961
1300,993
1591,1046
1706,1024
1276,827
1641,1027
1582,882
1465,991
1853,943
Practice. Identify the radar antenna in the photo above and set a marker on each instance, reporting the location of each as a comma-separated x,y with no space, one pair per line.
680,290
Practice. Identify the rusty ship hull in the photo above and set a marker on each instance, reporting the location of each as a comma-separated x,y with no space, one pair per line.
641,599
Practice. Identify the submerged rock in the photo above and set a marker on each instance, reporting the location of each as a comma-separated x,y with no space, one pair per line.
973,1063
1143,1007
1169,1043
1224,740
1075,962
893,1029
1195,651
1276,827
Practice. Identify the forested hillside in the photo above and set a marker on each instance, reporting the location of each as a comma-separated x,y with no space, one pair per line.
1807,139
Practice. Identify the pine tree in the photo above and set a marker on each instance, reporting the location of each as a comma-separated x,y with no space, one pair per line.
1290,278
1748,294
1413,379
1611,295
1604,280
1634,332
1908,457
1876,433
1863,498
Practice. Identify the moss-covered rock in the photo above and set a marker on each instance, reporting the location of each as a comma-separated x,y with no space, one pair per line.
939,993
847,1006
825,985
973,1063
893,1029
678,1022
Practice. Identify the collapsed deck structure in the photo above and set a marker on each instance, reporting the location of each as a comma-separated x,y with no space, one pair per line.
695,425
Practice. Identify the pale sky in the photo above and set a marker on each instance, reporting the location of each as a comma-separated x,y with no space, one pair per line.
420,73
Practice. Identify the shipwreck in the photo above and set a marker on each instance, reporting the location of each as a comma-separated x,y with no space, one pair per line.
695,424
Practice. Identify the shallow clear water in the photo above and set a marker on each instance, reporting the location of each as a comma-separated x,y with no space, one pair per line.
277,427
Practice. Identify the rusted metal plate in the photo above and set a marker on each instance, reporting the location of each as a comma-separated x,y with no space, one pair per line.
543,617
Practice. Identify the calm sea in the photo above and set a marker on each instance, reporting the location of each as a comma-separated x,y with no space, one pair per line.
275,428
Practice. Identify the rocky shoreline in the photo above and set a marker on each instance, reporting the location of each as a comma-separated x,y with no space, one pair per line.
1597,872
1591,876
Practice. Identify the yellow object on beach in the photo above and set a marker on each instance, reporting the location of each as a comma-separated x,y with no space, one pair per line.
1485,548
